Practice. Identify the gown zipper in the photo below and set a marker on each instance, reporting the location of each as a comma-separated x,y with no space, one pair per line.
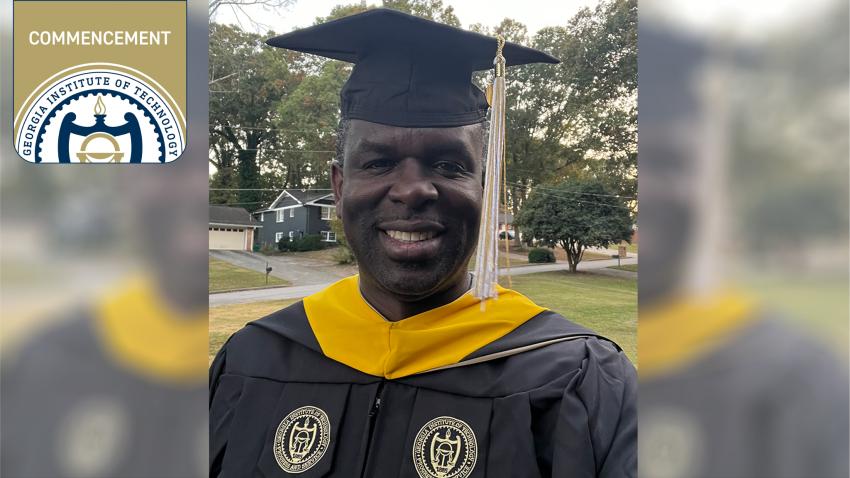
373,416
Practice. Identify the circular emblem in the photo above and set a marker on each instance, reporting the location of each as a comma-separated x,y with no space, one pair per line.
302,439
445,447
100,113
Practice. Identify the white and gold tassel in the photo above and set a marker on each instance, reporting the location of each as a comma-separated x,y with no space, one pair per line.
486,257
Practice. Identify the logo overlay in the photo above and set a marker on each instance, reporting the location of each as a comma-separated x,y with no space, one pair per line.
445,447
100,82
100,114
302,439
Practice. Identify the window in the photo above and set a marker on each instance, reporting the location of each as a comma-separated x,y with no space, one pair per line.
278,216
328,213
292,212
291,234
277,237
328,236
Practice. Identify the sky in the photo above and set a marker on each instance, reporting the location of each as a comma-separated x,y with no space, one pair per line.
746,20
535,14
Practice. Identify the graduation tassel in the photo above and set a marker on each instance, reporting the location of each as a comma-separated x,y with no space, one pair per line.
486,257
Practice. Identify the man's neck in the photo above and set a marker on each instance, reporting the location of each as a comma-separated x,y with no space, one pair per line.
395,308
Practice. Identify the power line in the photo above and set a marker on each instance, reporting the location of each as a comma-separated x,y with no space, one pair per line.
253,128
570,192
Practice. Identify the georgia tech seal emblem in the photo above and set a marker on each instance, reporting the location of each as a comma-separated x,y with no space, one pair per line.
445,447
302,439
100,114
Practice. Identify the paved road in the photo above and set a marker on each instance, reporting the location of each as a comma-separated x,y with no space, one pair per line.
260,295
297,270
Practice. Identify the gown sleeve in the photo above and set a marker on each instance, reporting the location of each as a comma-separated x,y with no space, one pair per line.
224,394
600,406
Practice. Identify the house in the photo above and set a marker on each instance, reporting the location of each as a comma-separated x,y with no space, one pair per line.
297,213
231,228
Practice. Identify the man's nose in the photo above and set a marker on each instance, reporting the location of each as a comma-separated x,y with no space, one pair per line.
413,187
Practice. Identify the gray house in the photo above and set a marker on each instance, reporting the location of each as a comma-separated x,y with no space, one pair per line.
296,213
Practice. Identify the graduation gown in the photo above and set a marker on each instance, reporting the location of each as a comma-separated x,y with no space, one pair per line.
327,387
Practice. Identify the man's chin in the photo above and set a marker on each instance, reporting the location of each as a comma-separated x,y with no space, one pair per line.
412,283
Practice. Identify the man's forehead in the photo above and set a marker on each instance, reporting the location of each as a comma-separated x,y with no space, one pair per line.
367,136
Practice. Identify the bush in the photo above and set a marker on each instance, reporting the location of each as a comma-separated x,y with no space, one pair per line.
302,244
284,244
308,243
541,255
343,255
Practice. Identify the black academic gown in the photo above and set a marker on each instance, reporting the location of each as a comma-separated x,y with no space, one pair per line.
550,398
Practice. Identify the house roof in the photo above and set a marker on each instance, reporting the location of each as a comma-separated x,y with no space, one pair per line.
295,197
236,216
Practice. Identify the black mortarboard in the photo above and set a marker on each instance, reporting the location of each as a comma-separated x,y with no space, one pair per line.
408,71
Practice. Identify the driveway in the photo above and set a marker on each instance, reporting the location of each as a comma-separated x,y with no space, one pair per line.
296,270
276,293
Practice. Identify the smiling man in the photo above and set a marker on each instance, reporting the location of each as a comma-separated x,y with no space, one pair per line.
400,371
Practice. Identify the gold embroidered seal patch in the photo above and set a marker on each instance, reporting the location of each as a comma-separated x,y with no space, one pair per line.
445,447
302,438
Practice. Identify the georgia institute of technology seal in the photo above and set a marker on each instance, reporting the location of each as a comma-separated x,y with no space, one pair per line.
99,82
445,447
100,113
302,438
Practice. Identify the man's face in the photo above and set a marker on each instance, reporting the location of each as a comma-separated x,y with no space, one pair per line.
410,201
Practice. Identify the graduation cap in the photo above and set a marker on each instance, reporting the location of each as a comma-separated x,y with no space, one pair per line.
415,73
408,71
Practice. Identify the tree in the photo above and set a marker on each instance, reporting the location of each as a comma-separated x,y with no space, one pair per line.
579,115
246,79
576,214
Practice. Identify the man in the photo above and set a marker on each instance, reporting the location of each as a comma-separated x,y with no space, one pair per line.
400,371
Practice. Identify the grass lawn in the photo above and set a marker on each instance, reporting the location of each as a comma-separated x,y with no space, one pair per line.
608,305
227,319
503,262
225,276
626,267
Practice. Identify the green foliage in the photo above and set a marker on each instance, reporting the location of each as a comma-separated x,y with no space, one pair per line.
246,78
344,254
576,214
301,244
540,255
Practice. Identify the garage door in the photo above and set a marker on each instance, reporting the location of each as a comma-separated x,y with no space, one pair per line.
227,238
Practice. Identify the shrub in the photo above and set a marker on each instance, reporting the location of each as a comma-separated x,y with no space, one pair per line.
308,243
540,255
343,255
284,244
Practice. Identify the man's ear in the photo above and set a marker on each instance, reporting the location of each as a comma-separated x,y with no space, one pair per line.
336,184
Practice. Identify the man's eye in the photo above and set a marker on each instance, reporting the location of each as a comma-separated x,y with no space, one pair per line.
379,164
450,167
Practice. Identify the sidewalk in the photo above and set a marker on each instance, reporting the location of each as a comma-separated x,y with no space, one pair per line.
295,292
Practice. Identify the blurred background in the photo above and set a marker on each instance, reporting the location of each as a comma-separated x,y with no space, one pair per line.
743,294
103,303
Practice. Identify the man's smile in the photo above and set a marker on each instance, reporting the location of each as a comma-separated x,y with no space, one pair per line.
411,240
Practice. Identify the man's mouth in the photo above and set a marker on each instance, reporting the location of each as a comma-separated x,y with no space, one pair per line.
405,236
411,240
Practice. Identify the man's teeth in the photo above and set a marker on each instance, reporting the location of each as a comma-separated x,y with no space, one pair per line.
410,236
